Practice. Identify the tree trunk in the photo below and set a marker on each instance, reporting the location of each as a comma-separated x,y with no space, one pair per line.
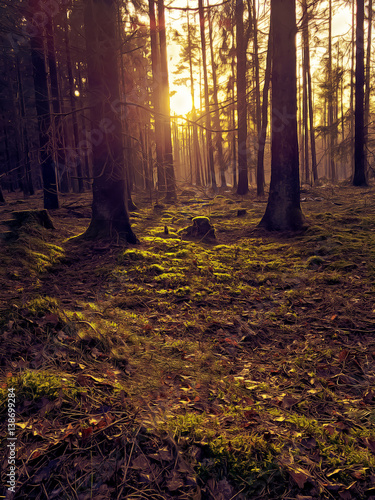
305,127
16,125
300,117
210,149
109,207
263,131
367,78
283,210
314,166
84,165
233,110
2,200
156,77
25,139
127,140
65,130
51,200
10,183
76,158
243,186
56,119
197,161
359,178
219,135
352,87
168,153
343,160
332,166
258,113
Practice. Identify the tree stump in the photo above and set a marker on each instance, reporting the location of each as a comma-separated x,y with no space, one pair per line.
201,229
41,217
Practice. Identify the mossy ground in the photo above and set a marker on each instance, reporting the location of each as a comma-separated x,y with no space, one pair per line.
180,369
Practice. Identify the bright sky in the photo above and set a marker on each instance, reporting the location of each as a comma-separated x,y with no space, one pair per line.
342,21
181,100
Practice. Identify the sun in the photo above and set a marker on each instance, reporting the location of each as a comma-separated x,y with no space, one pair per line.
181,101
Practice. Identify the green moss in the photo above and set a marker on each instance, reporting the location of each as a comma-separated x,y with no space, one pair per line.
220,248
183,254
171,278
332,278
247,459
343,265
156,269
131,254
42,305
31,385
182,291
223,277
201,218
274,265
161,243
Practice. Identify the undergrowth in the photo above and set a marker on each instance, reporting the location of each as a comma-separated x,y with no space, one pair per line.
181,369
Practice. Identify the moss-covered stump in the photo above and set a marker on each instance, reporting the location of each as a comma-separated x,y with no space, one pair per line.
201,229
40,217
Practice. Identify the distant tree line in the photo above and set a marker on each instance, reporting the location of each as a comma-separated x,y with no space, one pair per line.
85,100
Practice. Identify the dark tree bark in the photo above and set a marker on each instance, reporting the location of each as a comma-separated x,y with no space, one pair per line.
243,185
168,152
233,110
109,207
283,210
15,130
47,164
367,78
351,109
2,200
210,149
28,183
10,182
263,131
359,178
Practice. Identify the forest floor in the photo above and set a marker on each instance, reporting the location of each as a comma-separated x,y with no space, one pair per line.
234,369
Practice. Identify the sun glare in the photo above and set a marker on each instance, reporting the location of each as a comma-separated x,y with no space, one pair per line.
181,101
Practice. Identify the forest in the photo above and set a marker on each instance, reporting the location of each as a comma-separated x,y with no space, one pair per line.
187,249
